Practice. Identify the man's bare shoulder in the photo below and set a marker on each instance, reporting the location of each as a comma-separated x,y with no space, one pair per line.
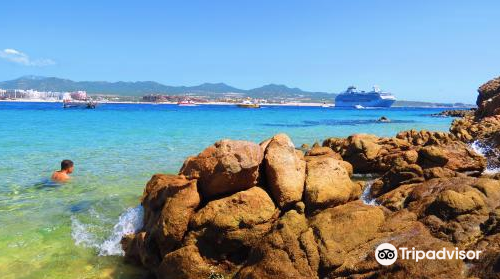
60,176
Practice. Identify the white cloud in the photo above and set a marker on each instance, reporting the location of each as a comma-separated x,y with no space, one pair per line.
19,57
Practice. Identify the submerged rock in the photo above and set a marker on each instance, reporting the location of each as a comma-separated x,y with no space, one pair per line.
383,119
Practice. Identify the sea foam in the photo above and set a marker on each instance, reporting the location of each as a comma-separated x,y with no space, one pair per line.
485,150
130,221
366,196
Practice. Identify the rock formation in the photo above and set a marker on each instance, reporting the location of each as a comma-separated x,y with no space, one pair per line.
255,211
483,128
371,154
271,226
488,100
455,113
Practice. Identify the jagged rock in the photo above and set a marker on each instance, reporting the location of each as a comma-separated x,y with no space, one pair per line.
323,151
304,219
238,220
328,152
450,204
488,100
289,251
455,156
488,265
454,208
439,172
423,137
483,129
169,201
184,263
336,144
341,229
139,252
398,175
305,147
402,230
433,156
371,154
484,133
226,167
285,170
455,113
328,183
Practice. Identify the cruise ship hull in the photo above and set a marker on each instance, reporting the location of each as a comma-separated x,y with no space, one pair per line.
380,103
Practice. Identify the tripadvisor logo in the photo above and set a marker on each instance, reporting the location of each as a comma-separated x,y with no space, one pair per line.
387,254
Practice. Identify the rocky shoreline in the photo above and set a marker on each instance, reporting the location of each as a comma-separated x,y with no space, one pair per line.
455,113
245,210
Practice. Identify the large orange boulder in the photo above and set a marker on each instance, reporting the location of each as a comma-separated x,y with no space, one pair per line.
224,168
343,228
289,251
285,170
169,202
240,219
328,183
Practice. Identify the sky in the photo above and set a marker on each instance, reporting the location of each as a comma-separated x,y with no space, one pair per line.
419,50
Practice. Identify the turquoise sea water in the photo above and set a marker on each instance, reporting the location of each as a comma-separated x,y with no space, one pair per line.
72,230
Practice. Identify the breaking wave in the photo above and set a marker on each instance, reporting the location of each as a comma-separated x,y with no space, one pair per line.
479,147
366,196
485,150
86,235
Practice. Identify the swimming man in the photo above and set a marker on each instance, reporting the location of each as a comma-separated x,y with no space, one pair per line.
63,174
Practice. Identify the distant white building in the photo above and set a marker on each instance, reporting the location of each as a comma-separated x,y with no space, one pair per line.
31,94
66,96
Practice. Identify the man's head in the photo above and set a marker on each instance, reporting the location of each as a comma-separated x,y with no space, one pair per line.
67,166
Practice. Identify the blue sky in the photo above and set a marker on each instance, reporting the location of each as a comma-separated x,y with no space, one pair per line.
419,50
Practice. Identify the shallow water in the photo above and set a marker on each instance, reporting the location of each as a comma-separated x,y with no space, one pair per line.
49,230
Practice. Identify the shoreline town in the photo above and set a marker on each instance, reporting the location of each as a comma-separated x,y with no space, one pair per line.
35,96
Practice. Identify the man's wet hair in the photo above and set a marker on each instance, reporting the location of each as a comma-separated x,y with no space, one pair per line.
66,164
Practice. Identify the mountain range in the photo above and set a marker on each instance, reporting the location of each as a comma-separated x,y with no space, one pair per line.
140,88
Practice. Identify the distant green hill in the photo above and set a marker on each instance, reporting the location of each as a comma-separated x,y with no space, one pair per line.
150,87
